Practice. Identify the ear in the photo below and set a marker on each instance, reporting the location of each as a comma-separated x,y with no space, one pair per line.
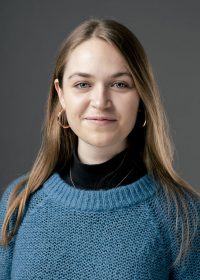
60,93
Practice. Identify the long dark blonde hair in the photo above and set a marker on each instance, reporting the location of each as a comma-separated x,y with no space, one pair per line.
57,143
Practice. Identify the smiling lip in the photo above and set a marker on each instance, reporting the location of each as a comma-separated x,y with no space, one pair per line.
101,122
100,118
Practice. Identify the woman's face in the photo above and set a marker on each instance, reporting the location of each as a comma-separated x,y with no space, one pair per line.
98,94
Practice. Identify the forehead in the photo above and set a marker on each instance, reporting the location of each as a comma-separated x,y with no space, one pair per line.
96,55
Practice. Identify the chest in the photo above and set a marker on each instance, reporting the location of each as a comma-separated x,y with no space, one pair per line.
73,245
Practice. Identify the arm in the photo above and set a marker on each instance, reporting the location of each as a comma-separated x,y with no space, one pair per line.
190,268
6,253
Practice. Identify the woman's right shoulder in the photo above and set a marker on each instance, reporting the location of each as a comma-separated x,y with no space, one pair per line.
10,187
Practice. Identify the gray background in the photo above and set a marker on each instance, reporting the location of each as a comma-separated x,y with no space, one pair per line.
31,34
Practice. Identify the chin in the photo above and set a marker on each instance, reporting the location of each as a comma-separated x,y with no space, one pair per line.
103,141
100,144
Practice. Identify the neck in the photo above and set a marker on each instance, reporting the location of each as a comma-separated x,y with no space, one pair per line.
90,154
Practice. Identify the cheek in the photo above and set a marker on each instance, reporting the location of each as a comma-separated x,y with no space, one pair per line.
129,108
75,108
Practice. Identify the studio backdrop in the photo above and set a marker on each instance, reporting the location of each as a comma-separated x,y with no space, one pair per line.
31,34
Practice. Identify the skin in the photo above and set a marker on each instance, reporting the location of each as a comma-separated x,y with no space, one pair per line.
100,94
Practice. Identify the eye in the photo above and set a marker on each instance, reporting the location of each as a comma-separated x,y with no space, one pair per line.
81,85
121,85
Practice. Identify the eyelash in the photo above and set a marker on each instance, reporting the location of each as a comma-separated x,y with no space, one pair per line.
125,85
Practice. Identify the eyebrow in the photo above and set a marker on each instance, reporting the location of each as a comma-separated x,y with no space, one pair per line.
86,75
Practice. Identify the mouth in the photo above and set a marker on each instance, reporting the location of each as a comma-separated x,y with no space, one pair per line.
100,120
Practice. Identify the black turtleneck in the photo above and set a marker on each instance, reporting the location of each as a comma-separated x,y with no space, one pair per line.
105,175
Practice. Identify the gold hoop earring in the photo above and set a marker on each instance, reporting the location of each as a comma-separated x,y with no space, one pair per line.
60,117
145,122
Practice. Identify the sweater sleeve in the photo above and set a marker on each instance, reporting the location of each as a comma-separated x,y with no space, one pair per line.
189,269
6,253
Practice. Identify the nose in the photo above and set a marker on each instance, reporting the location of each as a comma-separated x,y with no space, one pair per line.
100,97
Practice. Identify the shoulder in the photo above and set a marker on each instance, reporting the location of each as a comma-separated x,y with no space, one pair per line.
35,199
175,210
6,194
175,197
10,187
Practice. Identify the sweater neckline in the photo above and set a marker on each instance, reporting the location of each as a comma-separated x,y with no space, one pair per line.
101,199
126,165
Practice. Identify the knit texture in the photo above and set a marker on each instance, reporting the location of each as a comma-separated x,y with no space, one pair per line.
121,234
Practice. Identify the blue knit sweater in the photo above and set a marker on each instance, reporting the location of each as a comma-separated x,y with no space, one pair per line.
121,233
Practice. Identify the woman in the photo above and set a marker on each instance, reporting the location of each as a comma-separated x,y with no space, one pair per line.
102,200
